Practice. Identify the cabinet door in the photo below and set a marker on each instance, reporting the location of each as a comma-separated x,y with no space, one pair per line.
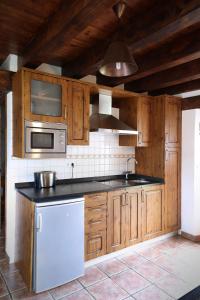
172,189
78,114
152,212
116,221
95,244
45,98
144,114
133,216
173,122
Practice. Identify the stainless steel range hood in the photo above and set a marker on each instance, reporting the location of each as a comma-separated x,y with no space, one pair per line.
102,119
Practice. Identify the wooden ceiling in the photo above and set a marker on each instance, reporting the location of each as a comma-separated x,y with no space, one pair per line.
163,36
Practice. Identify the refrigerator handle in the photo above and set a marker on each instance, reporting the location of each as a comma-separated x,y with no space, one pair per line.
39,223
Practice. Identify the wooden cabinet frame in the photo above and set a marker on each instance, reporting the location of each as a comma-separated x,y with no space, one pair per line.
28,76
78,114
136,112
153,212
132,219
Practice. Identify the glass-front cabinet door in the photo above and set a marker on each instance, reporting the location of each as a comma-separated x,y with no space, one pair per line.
45,98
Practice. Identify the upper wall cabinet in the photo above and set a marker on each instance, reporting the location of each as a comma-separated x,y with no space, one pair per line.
45,98
78,114
48,98
172,121
136,112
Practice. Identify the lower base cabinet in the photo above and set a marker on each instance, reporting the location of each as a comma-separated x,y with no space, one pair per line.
172,190
134,215
152,212
95,225
124,217
116,221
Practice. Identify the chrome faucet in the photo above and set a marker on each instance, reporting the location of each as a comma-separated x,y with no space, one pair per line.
127,163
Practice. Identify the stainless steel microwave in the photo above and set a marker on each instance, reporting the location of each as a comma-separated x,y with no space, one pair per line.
45,140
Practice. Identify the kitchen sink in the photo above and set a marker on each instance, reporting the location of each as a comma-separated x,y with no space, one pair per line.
138,181
124,183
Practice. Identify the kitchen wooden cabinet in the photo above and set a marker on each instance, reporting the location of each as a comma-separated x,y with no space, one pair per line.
136,112
133,216
116,221
95,225
172,121
144,124
78,114
24,238
163,157
172,189
153,205
45,97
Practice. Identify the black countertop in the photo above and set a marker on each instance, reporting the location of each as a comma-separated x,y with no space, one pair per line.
73,188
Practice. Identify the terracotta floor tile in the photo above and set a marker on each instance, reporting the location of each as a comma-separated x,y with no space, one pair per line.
2,242
5,267
112,266
66,289
174,242
132,260
130,281
150,271
3,288
170,264
14,281
173,286
2,253
92,275
152,293
25,295
150,253
107,290
81,295
7,297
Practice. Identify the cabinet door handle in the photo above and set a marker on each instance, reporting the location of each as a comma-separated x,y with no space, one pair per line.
143,195
123,202
39,223
65,112
166,137
127,201
166,155
97,209
95,222
139,137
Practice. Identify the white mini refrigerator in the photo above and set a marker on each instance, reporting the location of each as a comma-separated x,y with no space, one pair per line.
58,243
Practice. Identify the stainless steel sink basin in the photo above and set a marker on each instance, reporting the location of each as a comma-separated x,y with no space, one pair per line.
124,183
138,181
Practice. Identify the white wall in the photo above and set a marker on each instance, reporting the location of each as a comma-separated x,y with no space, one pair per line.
191,172
102,157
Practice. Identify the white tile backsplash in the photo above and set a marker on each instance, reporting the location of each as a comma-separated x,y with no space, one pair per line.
102,157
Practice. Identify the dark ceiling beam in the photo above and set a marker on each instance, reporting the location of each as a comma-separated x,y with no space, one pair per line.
89,62
182,73
178,89
190,103
68,21
5,81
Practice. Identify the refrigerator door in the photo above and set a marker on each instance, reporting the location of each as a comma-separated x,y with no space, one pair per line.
58,245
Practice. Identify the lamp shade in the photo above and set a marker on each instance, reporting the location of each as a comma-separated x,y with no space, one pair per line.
118,61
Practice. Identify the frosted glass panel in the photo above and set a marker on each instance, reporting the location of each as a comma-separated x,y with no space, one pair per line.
46,98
